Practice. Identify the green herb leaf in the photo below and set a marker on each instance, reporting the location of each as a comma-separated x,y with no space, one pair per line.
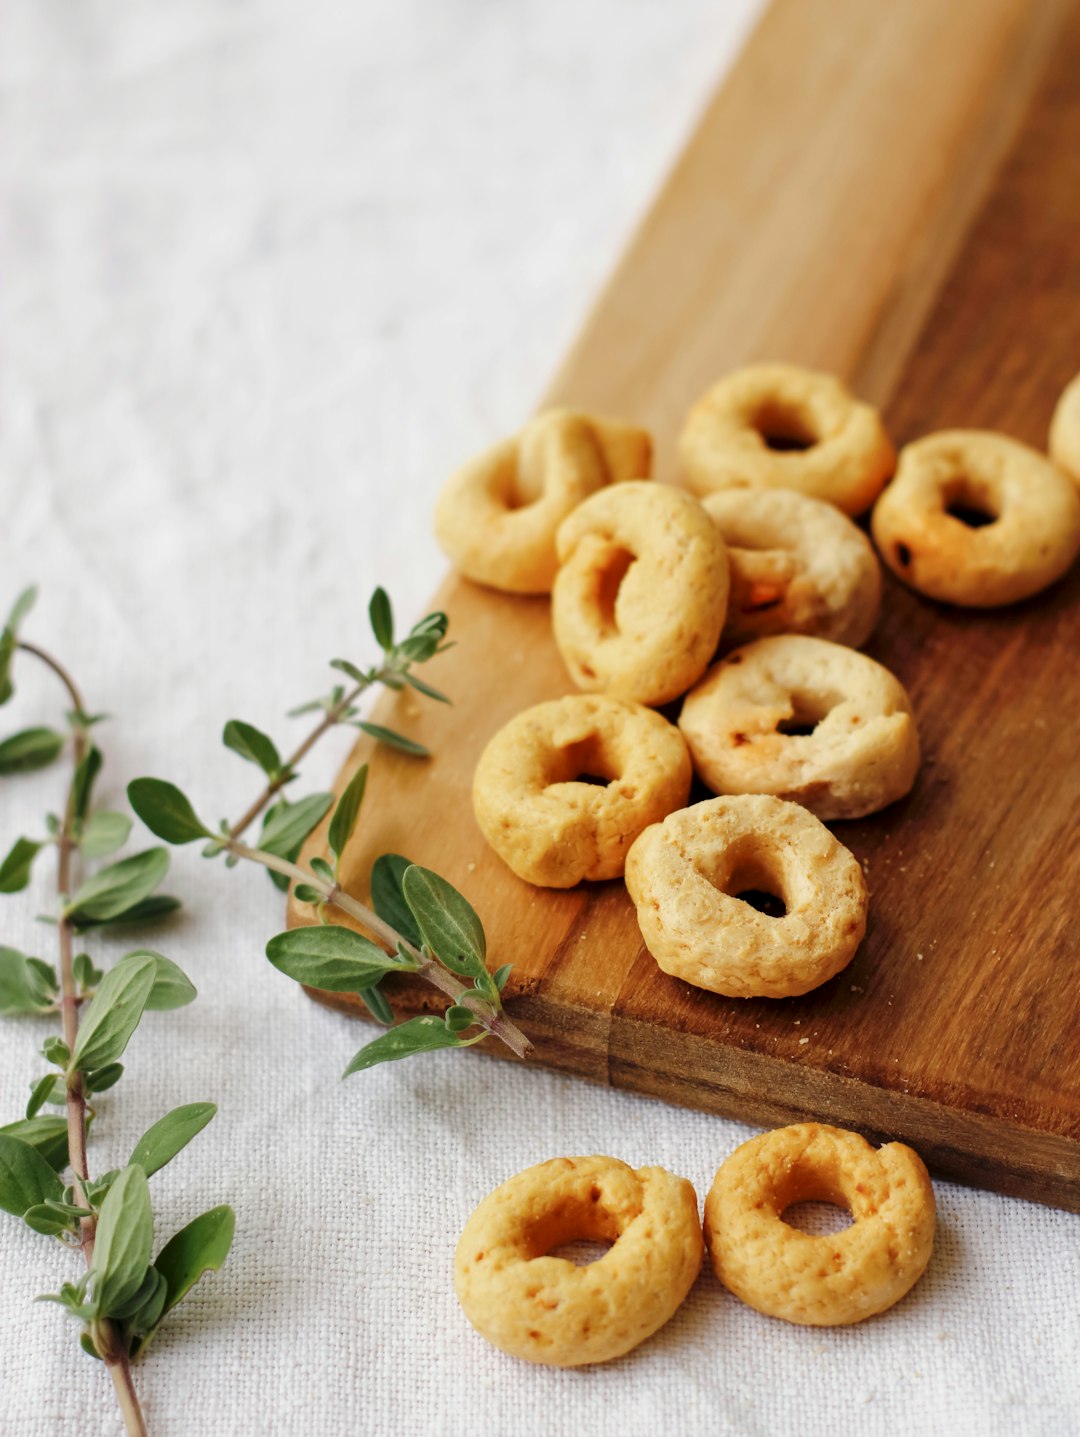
125,1238
40,1093
288,824
55,1050
357,675
347,811
104,833
119,887
450,925
172,987
418,1035
143,1313
114,1011
307,893
26,1179
500,975
83,782
323,869
458,1017
387,897
382,619
47,1220
26,984
423,688
102,1079
170,1134
21,607
251,744
84,972
330,957
47,1132
31,749
15,869
150,910
200,1247
392,739
376,1004
166,812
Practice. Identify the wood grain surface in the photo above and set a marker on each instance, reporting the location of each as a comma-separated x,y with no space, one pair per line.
891,192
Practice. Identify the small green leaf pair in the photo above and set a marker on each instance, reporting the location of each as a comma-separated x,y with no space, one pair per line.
141,980
27,985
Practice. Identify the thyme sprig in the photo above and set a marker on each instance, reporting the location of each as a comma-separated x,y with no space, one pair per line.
419,923
124,1293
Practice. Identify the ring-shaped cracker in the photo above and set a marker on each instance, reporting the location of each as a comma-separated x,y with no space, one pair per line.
776,426
547,1310
565,787
497,517
1065,431
686,875
798,566
820,1281
806,720
641,594
977,519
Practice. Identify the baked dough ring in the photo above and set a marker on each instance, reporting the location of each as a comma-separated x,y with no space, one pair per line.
554,830
1030,538
1065,431
641,593
776,426
497,516
803,719
546,1309
798,566
820,1281
685,876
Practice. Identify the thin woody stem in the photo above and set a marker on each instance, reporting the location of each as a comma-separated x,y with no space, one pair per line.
432,971
114,1354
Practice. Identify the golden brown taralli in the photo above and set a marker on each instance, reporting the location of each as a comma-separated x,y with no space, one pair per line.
547,1310
806,720
686,876
564,788
497,516
776,426
820,1281
640,598
798,566
976,519
1065,431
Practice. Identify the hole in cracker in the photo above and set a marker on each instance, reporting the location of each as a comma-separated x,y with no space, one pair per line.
784,428
819,1219
613,570
807,711
765,902
755,877
581,1251
586,762
971,508
903,555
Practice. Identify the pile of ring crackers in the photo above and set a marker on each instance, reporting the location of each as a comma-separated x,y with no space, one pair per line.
745,595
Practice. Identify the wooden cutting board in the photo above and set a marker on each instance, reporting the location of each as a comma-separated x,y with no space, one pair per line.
891,192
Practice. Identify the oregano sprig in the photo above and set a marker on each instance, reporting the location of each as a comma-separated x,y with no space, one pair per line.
419,923
124,1293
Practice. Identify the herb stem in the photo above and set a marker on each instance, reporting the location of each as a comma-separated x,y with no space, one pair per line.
115,1356
433,972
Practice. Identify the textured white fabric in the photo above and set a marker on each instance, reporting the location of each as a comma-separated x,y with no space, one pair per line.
271,270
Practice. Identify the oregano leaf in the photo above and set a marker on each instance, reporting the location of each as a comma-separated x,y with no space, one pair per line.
123,1243
199,1248
170,1135
15,869
253,745
114,1011
166,811
330,957
119,887
381,615
392,739
387,897
26,1179
347,811
418,1035
31,749
449,924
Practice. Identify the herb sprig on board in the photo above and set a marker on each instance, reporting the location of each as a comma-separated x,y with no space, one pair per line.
125,1292
418,922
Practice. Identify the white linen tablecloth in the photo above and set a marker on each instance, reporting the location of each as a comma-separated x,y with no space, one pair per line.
271,270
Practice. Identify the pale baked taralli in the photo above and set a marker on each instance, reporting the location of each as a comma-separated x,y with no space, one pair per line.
777,426
686,874
976,519
497,517
641,594
798,566
1065,431
565,787
820,1281
805,720
547,1310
